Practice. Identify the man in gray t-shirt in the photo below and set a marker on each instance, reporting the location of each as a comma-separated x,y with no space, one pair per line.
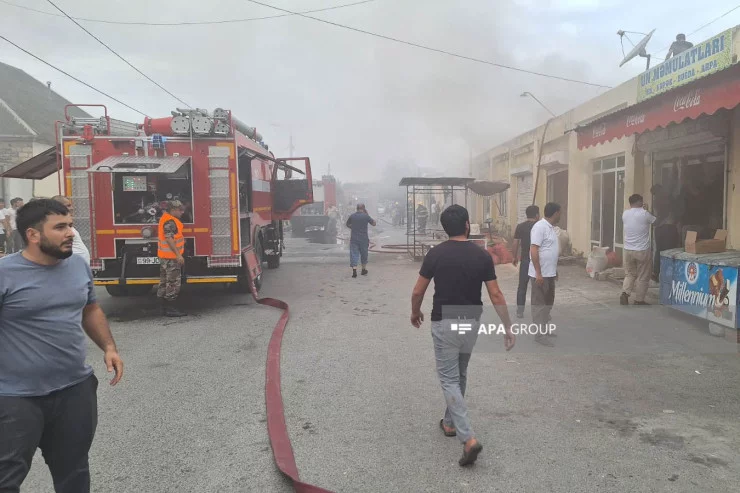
47,391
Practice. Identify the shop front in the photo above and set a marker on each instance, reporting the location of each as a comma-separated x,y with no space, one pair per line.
686,141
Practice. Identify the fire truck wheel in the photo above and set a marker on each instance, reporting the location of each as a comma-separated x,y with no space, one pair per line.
242,284
137,290
273,261
116,291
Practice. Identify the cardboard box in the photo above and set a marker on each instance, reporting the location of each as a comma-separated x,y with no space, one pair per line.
716,245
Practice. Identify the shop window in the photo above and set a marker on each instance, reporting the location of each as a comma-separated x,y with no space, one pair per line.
607,203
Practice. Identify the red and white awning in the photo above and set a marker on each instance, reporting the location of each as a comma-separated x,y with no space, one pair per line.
703,97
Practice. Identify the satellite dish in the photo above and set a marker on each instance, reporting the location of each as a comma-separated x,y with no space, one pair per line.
639,48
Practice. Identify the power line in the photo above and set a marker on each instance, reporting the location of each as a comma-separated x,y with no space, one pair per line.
427,48
119,56
73,77
195,23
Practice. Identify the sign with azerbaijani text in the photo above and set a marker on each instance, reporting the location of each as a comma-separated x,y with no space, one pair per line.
708,292
705,58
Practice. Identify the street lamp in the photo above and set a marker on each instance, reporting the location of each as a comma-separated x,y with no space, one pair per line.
290,130
542,143
525,94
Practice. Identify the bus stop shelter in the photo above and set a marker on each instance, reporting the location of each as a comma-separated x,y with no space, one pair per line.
424,189
454,190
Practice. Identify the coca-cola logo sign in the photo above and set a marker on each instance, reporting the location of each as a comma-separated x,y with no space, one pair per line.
599,130
633,120
688,100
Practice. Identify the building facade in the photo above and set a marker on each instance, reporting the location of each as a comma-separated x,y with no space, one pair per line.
674,125
28,110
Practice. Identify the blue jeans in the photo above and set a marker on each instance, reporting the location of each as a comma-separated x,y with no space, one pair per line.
358,253
452,351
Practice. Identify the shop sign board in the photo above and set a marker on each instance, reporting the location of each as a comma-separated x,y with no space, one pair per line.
702,290
706,96
704,58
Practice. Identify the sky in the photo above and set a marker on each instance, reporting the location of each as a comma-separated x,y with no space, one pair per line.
352,101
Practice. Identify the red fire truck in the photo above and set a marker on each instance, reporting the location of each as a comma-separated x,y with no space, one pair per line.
319,219
118,176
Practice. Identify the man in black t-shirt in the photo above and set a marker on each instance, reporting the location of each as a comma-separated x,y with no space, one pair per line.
459,269
521,255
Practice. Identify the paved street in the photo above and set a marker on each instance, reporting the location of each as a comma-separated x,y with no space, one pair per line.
654,411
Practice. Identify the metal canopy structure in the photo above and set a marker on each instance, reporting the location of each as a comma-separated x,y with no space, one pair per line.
420,188
37,168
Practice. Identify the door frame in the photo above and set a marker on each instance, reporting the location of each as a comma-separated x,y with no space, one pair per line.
617,217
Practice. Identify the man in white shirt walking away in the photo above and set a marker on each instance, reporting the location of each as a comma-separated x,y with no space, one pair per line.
78,247
544,251
637,259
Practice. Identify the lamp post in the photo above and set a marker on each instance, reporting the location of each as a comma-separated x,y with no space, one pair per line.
542,142
529,94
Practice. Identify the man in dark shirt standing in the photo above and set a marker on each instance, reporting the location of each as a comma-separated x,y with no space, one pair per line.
678,46
521,255
459,269
359,241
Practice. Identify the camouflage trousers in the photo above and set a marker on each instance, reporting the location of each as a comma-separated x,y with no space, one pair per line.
170,279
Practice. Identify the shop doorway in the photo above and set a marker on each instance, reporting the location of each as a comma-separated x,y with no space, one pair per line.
695,179
607,204
557,191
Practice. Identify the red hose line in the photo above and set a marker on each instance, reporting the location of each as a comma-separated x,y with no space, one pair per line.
282,450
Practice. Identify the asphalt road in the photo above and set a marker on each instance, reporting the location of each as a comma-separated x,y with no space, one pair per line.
363,404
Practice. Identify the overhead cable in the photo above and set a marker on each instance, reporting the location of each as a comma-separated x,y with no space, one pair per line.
185,23
428,48
119,56
73,77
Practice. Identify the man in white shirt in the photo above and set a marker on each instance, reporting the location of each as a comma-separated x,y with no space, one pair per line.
13,238
78,247
637,260
543,269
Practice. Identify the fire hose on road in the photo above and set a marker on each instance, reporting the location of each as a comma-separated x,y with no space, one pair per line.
282,450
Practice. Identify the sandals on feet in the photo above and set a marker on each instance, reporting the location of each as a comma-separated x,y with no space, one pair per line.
447,433
470,456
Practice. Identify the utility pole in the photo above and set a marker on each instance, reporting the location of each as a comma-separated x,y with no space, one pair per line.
470,166
291,144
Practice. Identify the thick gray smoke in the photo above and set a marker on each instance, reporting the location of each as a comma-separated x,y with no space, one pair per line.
351,100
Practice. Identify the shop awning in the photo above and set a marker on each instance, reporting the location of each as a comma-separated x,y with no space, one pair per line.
703,97
488,188
37,168
139,164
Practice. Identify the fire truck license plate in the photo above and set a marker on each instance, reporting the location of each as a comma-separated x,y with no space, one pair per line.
147,260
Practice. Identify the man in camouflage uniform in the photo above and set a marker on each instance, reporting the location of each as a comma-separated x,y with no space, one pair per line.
171,250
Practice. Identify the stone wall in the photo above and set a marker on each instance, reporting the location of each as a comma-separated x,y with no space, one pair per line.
12,152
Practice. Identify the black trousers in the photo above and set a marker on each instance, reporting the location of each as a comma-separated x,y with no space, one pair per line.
521,291
666,237
62,424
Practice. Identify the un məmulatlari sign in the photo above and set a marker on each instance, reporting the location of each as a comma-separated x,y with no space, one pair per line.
705,58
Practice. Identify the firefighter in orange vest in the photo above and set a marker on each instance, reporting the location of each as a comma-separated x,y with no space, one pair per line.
171,261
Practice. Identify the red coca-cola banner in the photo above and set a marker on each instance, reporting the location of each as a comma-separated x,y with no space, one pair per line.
705,96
